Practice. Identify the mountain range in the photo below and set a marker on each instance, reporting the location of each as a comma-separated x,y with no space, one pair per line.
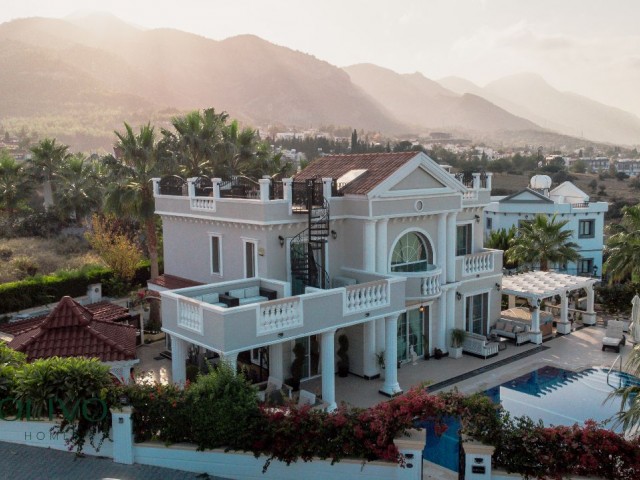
79,79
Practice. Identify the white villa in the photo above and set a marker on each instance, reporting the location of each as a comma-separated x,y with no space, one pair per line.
386,249
568,202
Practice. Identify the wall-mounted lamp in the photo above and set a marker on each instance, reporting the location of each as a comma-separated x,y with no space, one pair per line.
595,270
281,335
334,234
498,286
281,238
477,217
458,295
421,308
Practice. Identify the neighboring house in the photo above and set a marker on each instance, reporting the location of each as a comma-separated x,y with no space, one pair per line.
596,164
383,248
629,166
568,202
73,330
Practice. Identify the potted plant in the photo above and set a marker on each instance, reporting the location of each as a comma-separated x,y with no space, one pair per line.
343,357
458,336
296,366
380,362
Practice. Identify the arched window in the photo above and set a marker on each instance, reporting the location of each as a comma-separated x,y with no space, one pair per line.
412,253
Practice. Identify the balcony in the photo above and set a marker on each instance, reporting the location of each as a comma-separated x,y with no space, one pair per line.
236,328
478,185
483,263
423,284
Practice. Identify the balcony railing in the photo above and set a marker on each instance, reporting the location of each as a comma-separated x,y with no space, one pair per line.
190,314
430,286
279,315
478,263
360,298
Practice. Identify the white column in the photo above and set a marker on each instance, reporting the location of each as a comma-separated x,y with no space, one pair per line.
441,247
328,370
275,361
265,183
380,340
489,180
369,350
451,314
536,335
369,250
156,186
381,245
563,326
286,192
391,386
216,187
589,317
476,181
441,331
191,186
231,359
326,187
178,360
451,247
122,434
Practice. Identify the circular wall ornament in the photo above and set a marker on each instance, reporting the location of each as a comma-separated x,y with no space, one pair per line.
419,205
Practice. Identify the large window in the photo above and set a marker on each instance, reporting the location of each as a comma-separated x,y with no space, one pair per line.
412,253
586,229
477,313
216,254
463,239
250,259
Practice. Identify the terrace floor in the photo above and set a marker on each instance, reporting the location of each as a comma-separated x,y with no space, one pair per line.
579,350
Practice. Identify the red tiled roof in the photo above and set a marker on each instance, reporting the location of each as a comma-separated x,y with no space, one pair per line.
379,166
71,330
171,282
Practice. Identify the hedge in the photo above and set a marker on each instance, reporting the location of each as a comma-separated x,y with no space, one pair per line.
44,289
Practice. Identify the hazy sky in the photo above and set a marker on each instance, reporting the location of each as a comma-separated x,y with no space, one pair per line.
590,47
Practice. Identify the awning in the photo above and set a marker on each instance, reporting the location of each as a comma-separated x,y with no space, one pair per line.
537,286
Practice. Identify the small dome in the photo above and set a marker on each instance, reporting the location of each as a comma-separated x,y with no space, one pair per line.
540,182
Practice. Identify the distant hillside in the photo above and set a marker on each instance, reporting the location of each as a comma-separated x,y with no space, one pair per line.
529,96
102,64
425,103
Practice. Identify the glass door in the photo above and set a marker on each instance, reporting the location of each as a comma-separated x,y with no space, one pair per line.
311,363
411,333
477,312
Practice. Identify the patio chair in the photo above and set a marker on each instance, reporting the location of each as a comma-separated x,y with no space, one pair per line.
272,384
306,398
614,336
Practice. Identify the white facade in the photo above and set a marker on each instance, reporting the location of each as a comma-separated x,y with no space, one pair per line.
404,257
568,203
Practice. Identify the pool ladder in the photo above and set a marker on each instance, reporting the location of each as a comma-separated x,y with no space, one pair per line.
619,357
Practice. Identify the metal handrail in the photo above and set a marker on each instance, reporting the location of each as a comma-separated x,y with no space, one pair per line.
619,357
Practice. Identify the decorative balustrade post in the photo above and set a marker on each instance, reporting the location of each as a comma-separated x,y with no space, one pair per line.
476,181
265,183
287,194
216,187
156,186
191,186
326,187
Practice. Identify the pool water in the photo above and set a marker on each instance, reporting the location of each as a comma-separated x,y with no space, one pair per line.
554,395
562,397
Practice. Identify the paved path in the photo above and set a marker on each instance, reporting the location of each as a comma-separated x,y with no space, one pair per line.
19,462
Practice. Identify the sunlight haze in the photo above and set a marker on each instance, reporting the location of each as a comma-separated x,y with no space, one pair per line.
585,46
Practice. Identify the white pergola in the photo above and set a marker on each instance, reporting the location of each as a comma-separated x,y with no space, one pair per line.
537,286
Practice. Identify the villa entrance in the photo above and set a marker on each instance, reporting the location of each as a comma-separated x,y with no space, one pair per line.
311,363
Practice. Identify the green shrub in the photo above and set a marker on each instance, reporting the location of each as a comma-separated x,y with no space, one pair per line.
223,409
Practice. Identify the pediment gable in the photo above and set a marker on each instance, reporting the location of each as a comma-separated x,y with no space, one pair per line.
526,196
421,176
419,179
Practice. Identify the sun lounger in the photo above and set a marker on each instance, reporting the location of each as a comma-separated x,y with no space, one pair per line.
614,337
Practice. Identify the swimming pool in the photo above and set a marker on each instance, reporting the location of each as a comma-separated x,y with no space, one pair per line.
562,397
554,395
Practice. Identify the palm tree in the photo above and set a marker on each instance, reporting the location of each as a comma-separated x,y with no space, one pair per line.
623,247
629,415
78,191
239,147
15,184
197,139
542,242
45,161
130,191
500,240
